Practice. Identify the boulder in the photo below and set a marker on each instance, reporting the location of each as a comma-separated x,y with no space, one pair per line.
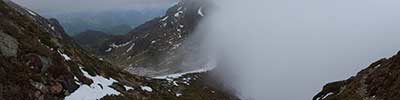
8,45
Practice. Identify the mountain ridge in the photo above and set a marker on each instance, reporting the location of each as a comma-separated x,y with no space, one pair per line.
161,45
379,81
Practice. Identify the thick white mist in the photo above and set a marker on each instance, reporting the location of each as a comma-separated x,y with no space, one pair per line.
288,49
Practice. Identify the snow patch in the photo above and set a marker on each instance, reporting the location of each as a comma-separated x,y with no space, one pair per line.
98,89
377,66
175,84
177,14
178,94
66,57
180,8
120,45
178,75
130,48
187,83
109,50
200,11
31,12
165,18
177,45
147,88
128,87
330,93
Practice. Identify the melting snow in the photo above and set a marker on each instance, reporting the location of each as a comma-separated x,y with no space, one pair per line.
31,12
66,57
165,18
130,48
179,8
98,89
186,83
212,91
147,88
120,45
178,75
128,87
177,14
178,94
330,93
200,12
109,50
174,83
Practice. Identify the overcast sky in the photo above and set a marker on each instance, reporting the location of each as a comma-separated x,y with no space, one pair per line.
60,6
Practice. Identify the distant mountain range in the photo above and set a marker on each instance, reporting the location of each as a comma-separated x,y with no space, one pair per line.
114,21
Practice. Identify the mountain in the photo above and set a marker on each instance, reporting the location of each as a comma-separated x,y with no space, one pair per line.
91,39
162,45
114,21
379,81
39,61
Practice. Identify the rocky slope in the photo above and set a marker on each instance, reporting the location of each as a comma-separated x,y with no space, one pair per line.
379,81
160,46
38,61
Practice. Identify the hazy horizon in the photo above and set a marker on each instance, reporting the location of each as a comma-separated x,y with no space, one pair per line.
71,6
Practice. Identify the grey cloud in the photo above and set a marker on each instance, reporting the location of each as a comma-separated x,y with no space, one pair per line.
287,49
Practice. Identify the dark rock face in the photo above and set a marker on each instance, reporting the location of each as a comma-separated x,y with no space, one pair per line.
379,81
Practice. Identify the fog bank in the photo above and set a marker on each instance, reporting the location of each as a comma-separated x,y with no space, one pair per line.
288,49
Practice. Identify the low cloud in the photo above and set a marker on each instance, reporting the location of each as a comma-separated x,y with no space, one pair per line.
288,49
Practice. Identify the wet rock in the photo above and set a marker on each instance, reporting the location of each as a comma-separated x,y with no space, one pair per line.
8,45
